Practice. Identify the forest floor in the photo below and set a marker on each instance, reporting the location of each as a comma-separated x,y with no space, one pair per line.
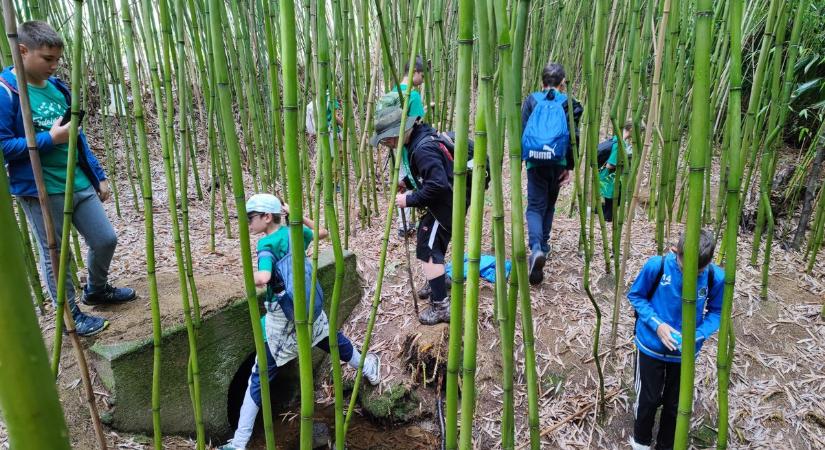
777,390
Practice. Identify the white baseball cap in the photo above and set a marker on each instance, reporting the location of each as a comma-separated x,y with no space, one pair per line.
264,203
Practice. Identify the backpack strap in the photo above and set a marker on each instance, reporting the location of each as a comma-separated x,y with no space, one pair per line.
658,280
711,278
9,86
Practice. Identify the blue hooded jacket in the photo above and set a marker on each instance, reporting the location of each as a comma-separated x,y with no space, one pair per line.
665,306
13,140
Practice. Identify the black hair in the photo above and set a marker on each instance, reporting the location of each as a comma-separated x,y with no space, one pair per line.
35,34
419,65
552,75
707,245
628,126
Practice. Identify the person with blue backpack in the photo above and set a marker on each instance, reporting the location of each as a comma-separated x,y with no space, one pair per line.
41,49
275,273
548,153
656,295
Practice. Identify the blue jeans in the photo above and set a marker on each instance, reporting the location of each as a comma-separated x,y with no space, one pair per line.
90,220
542,193
344,349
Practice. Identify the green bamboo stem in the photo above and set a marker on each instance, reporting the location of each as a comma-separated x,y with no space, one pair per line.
462,121
231,141
485,132
517,225
294,182
699,130
506,301
734,119
325,156
31,408
387,227
184,261
146,189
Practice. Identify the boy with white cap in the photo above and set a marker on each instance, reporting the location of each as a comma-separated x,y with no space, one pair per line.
265,217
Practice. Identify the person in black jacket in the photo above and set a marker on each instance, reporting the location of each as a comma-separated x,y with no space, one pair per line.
545,181
428,186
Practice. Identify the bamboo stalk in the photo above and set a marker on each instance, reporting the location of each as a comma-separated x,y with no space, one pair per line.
699,131
146,190
31,408
462,121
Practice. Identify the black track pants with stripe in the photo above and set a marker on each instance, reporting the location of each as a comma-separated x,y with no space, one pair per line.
657,384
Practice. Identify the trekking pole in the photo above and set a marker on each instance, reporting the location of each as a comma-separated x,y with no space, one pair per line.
43,197
409,265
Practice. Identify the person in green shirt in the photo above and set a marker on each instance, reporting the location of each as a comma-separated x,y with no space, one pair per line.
265,213
607,173
41,49
416,111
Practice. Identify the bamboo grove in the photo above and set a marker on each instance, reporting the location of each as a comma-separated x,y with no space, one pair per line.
708,87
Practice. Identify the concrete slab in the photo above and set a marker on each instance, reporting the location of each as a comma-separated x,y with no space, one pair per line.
225,344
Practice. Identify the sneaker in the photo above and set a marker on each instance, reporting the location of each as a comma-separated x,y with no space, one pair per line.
372,368
86,325
229,446
636,446
536,266
108,295
436,313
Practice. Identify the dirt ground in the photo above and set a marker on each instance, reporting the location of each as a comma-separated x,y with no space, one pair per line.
777,391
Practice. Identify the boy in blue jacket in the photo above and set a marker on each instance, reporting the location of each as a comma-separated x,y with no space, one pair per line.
41,49
656,295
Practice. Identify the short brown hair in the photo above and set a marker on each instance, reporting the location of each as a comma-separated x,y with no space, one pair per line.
707,245
35,34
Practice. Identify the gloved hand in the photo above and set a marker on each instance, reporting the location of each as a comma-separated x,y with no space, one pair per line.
277,283
278,286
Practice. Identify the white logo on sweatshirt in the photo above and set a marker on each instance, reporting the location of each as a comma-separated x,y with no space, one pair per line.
665,280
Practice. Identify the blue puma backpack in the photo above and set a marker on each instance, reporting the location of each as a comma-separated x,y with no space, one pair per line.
546,137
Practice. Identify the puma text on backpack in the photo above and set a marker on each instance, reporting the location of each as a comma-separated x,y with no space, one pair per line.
546,136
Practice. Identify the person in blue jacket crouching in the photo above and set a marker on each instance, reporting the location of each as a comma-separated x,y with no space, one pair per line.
656,295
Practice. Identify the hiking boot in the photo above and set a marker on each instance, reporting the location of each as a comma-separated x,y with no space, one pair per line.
87,325
410,231
372,369
436,313
535,266
108,295
424,292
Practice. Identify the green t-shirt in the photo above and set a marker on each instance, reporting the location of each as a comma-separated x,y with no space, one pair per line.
48,105
277,243
416,104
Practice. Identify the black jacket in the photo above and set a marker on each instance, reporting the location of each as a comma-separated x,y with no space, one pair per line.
432,170
527,109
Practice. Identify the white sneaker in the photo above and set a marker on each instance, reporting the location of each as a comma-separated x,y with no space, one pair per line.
636,446
372,368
